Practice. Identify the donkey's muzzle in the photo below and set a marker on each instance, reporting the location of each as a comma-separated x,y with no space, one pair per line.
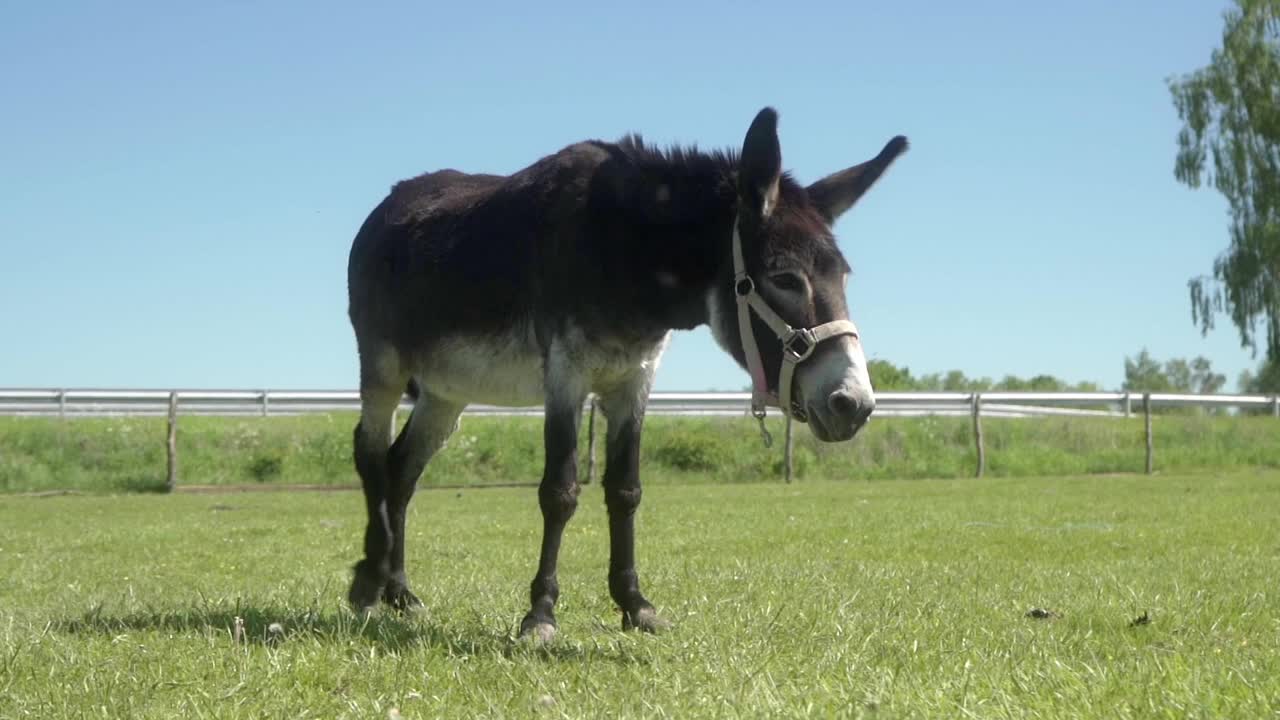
848,412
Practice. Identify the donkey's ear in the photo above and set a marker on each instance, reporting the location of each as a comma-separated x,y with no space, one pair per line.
837,192
761,165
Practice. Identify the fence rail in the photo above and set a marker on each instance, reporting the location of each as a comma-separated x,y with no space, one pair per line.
79,403
91,402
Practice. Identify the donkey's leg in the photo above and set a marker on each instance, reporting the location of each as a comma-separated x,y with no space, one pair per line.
558,491
433,420
624,408
379,396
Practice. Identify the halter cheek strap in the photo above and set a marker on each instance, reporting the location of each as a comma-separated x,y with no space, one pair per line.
798,344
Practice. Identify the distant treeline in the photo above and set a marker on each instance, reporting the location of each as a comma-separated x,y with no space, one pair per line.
887,376
1142,373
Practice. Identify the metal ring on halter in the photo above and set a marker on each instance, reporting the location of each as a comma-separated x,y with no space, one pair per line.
804,335
798,413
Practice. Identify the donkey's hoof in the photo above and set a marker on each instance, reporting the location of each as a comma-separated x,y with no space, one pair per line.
366,588
646,619
537,630
401,599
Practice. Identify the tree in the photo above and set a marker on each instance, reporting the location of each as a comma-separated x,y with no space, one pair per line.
887,376
1197,376
1230,111
1266,381
1145,374
1042,383
955,381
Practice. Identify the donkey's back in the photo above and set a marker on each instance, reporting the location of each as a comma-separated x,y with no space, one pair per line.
414,251
448,273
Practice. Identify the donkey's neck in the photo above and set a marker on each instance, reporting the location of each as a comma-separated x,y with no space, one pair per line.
699,266
657,241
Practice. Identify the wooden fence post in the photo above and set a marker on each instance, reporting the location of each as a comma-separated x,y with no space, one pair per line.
1128,405
171,445
1275,406
591,441
976,402
1146,411
786,451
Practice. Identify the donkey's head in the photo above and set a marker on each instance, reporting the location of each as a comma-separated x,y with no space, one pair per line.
783,316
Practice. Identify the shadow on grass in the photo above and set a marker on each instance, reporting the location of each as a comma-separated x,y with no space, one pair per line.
274,626
141,484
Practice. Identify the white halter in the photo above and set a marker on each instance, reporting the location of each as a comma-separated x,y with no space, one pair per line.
797,344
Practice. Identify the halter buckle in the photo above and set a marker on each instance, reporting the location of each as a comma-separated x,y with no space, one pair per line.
800,344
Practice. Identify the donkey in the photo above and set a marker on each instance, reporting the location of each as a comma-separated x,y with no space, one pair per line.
567,278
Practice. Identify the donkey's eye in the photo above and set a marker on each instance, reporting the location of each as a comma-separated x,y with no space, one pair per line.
788,282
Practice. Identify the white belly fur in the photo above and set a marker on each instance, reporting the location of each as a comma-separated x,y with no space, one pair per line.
507,370
496,370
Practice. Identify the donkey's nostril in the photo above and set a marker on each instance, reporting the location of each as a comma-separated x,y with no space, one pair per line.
842,404
846,406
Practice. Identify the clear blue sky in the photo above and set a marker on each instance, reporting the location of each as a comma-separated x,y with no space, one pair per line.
180,183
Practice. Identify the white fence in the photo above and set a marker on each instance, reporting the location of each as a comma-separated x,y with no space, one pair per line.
172,403
90,403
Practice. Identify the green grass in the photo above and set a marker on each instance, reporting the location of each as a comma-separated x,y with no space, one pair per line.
128,454
826,599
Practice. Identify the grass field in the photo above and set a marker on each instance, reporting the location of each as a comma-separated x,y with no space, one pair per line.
127,454
826,599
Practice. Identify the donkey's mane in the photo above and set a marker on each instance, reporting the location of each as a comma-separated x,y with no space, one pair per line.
693,160
687,157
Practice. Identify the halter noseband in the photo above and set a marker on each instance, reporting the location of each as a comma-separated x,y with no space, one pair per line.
798,344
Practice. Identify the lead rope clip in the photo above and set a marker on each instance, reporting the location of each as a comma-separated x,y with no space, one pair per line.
764,431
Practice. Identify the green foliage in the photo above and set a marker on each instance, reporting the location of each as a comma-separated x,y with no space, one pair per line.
904,599
1266,381
886,376
1042,383
127,454
1231,139
1196,375
1143,373
265,468
687,453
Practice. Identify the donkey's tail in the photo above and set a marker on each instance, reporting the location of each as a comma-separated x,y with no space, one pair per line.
413,390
